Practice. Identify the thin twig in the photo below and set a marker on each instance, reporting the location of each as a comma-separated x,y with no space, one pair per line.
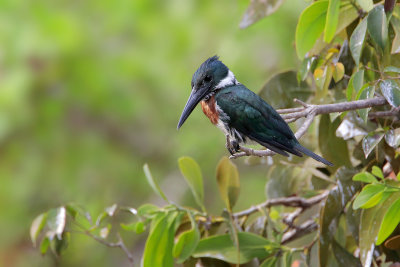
119,244
309,112
298,202
301,230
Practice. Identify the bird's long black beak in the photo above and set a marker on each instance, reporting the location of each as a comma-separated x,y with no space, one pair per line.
195,97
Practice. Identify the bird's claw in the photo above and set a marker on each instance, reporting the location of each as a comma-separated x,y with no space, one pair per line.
232,145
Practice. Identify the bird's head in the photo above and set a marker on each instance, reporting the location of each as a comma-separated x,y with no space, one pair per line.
211,76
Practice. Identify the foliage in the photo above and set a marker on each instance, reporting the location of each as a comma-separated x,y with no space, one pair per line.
348,52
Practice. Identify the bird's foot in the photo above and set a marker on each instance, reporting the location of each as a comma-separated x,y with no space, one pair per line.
232,145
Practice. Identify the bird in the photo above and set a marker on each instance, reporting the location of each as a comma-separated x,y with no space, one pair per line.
241,114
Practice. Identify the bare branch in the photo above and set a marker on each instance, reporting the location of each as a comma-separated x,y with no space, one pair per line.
310,111
301,230
299,202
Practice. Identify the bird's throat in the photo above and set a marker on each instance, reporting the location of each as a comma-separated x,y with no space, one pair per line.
209,109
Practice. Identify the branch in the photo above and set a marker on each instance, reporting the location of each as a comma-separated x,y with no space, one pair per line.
120,244
299,202
301,230
310,111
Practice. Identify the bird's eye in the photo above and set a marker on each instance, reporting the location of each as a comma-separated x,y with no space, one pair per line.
207,78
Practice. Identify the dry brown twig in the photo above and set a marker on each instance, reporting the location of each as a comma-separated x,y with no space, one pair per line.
310,111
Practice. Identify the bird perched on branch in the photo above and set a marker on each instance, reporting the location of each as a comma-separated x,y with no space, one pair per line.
240,113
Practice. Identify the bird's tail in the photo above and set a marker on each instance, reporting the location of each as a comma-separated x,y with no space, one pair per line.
304,150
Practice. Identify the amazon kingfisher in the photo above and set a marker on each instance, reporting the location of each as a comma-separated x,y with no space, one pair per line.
240,113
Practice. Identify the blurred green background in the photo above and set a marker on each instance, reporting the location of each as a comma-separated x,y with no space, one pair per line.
92,90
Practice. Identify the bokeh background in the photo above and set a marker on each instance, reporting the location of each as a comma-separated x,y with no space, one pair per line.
91,90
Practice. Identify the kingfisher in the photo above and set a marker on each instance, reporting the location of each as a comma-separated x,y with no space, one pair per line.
240,113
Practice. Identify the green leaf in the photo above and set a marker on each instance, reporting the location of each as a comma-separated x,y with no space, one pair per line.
332,19
307,65
44,245
192,173
333,207
392,69
147,209
369,196
370,141
370,222
221,247
343,257
366,92
159,244
377,26
270,262
56,219
228,182
259,9
310,26
59,245
333,148
395,21
377,172
398,176
137,227
283,87
37,226
187,242
366,5
392,137
364,177
391,91
357,40
355,84
390,221
153,183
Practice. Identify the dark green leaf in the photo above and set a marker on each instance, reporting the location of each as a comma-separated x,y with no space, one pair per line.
370,222
377,172
308,65
364,177
60,245
310,26
343,257
357,40
333,208
282,88
366,92
355,84
154,185
353,221
159,244
56,219
228,182
390,221
333,148
332,19
370,141
222,247
377,26
187,242
282,182
369,196
259,9
192,173
391,91
37,226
